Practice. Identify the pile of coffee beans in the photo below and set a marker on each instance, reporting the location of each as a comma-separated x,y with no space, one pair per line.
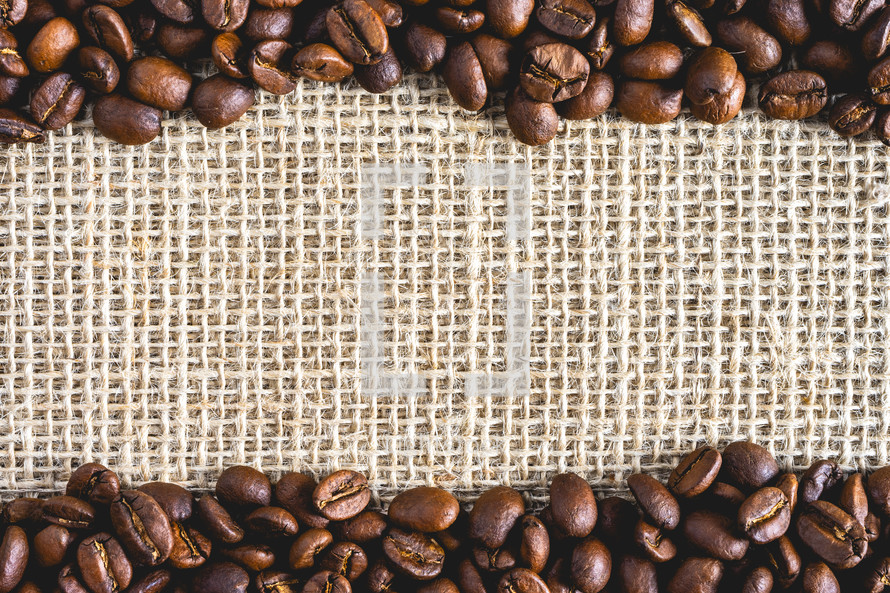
553,58
727,522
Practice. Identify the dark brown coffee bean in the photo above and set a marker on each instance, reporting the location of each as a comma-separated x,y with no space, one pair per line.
497,59
713,533
569,18
414,554
853,498
877,579
271,522
425,508
796,94
12,12
56,102
37,12
294,493
321,62
308,547
14,553
508,18
832,534
748,465
358,32
380,577
345,558
495,560
52,44
591,566
532,122
327,582
872,526
101,73
140,523
876,37
852,115
788,21
382,75
696,575
765,515
25,510
658,60
341,495
534,544
11,62
51,545
636,575
68,582
789,486
819,477
241,486
879,490
553,72
263,24
853,14
269,69
463,75
521,580
655,500
109,31
364,528
818,578
181,11
697,471
759,580
785,561
424,47
69,512
442,585
181,41
176,501
190,548
495,513
648,102
217,521
593,101
126,121
572,505
391,13
652,543
276,581
221,577
689,23
878,81
882,128
599,47
251,557
459,22
616,520
758,51
225,15
160,83
712,72
227,52
10,89
724,496
632,21
104,567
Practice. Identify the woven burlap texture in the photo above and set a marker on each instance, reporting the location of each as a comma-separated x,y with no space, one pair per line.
177,308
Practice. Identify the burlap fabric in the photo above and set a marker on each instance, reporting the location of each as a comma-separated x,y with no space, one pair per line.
349,281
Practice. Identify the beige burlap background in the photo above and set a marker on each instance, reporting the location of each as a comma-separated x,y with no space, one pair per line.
340,280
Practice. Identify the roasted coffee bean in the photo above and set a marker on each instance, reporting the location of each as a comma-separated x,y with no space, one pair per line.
425,508
263,24
52,44
181,41
789,485
358,31
68,582
26,510
276,581
217,102
876,38
442,585
139,521
655,500
12,12
224,15
414,554
652,542
593,101
632,21
463,75
832,534
51,544
785,561
345,558
227,52
190,548
689,23
494,560
711,73
534,544
877,579
307,548
853,498
104,567
636,575
365,527
390,12
819,477
327,582
696,575
795,94
11,62
788,21
181,11
453,538
57,100
160,83
271,522
497,510
109,31
713,533
591,566
521,580
882,128
659,60
508,18
879,490
294,493
251,557
69,512
599,47
765,515
100,73
872,526
879,82
221,577
217,521
697,471
759,580
648,102
321,62
553,72
617,518
573,505
380,76
496,57
176,501
459,22
14,553
424,47
380,577
758,51
341,495
832,59
126,121
10,89
853,14
852,115
569,18
818,578
268,68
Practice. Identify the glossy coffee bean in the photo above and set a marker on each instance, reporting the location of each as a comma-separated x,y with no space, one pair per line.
572,505
108,30
308,547
648,102
380,76
553,72
216,520
264,24
70,512
391,12
341,495
819,478
591,566
100,72
68,580
364,528
126,121
251,557
25,510
658,60
832,59
655,500
141,525
228,54
508,18
242,487
327,582
463,75
632,21
217,102
757,50
818,578
600,49
276,581
876,37
357,31
345,558
160,83
221,577
52,44
321,62
495,512
414,554
51,545
190,548
380,577
497,59
636,575
853,15
573,19
56,102
534,543
696,472
853,498
784,560
181,11
696,575
521,580
832,534
795,94
593,101
765,515
271,522
11,62
269,68
224,15
788,21
14,554
495,560
425,508
789,485
104,567
176,501
714,534
878,488
876,579
852,115
12,12
759,580
180,42
456,21
424,47
294,493
711,73
689,23
652,543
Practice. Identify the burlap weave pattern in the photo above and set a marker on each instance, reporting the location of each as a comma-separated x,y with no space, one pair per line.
199,302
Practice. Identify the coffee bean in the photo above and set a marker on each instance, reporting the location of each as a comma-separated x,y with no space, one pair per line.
711,73
508,18
425,508
109,31
652,543
713,533
788,21
648,102
68,582
390,12
227,52
103,565
439,586
696,575
882,128
879,490
591,566
600,48
268,66
217,521
221,577
689,23
573,505
10,89
11,62
56,102
25,510
789,486
264,24
380,577
12,12
52,44
459,22
294,493
51,545
795,94
181,11
765,515
140,523
593,101
364,528
853,498
697,471
553,72
176,501
308,547
496,510
251,557
819,477
160,83
569,18
521,580
345,558
632,21
463,75
818,578
495,560
876,579
759,580
453,538
181,41
321,62
99,72
357,31
785,561
277,581
14,553
225,15
876,38
655,500
534,543
341,495
424,47
879,82
271,522
758,51
126,121
380,76
217,102
659,60
617,518
637,575
69,512
497,59
190,548
852,115
414,554
853,14
872,525
327,582
832,534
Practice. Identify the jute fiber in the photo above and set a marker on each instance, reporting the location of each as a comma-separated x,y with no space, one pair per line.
391,284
